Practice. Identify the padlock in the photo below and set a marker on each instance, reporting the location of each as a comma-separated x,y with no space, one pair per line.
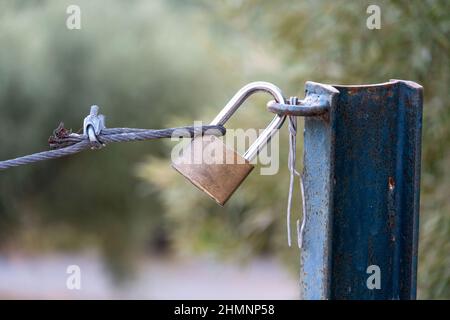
219,174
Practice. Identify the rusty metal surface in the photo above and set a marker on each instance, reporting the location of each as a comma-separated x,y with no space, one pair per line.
374,161
315,258
213,167
376,191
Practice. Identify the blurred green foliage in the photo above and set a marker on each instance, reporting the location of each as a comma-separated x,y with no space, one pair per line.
155,64
138,63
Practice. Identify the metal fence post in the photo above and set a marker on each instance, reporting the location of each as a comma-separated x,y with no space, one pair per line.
361,180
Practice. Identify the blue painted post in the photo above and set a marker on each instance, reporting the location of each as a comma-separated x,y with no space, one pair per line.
361,179
317,181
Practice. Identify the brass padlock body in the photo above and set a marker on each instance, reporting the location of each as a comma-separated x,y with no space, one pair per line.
219,179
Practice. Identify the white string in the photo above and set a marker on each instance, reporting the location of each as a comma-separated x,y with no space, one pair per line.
292,159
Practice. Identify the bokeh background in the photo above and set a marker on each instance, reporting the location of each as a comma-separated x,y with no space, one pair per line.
135,227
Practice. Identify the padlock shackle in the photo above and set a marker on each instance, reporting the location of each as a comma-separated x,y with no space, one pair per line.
239,98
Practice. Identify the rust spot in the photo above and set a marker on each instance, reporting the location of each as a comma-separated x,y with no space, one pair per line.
352,90
391,183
